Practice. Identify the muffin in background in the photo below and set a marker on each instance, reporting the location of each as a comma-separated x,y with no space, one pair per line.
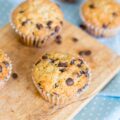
60,77
102,17
5,68
69,1
36,21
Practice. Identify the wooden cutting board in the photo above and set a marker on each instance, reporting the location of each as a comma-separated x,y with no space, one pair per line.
19,99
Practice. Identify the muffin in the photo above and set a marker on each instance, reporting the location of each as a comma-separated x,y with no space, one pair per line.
5,68
102,17
60,77
69,1
37,21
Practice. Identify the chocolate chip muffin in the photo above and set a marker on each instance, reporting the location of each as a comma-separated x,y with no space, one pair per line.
36,21
60,77
101,16
69,1
5,68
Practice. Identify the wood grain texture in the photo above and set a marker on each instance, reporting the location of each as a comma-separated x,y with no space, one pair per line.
19,100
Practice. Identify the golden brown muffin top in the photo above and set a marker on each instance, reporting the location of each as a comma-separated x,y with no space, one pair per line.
61,74
38,18
102,13
5,66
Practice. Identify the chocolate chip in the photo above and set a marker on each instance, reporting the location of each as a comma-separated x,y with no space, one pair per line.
69,81
86,73
39,26
81,61
39,84
79,65
0,68
91,6
37,62
104,26
6,63
24,22
62,64
82,72
21,11
49,23
42,41
82,26
81,53
79,91
57,29
58,39
69,1
114,14
72,62
85,52
53,33
74,39
61,22
14,75
52,60
78,74
88,52
56,85
62,70
44,57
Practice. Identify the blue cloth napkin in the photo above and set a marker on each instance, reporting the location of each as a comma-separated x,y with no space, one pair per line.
106,105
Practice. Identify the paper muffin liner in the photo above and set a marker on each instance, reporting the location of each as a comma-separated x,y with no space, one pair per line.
61,101
57,100
4,81
98,32
30,40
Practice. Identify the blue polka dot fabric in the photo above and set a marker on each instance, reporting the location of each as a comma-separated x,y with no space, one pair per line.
106,105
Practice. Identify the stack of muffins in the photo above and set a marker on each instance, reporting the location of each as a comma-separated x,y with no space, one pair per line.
58,77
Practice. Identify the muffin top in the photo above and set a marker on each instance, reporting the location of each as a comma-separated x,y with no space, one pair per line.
5,66
102,13
61,74
38,18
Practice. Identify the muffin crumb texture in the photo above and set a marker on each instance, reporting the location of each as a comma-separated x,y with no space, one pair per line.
102,13
61,74
5,67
